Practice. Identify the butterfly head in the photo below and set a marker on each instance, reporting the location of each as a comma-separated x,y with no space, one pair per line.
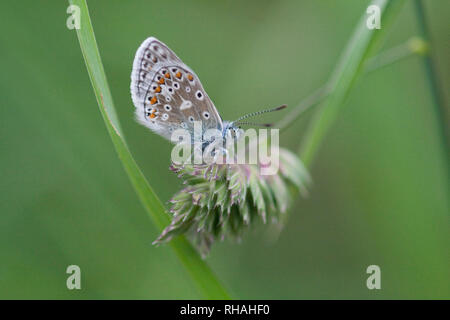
232,129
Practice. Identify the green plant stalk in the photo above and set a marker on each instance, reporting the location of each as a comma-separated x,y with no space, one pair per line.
306,104
405,50
433,82
200,272
393,55
341,82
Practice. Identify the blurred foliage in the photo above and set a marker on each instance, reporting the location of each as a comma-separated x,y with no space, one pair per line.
380,193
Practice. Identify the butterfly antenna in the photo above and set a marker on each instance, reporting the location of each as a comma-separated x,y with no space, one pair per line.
257,113
267,125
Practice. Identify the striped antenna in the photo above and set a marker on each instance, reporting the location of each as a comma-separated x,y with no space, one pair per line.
257,113
254,124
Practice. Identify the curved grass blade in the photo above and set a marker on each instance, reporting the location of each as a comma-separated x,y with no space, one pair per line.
347,70
199,271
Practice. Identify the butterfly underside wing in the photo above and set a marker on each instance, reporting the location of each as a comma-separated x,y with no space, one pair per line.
167,94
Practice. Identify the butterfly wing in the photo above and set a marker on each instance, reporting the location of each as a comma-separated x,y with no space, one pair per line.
167,94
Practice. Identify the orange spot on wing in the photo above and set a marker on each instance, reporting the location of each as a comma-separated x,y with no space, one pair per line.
158,89
167,75
153,100
152,115
161,81
178,75
190,77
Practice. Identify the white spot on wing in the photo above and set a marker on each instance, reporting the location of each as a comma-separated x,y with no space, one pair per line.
186,105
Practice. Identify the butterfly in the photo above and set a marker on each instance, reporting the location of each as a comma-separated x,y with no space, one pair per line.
168,95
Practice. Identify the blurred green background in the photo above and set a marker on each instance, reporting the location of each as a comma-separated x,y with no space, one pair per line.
380,193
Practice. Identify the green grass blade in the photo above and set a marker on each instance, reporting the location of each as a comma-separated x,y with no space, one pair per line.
197,268
346,72
433,82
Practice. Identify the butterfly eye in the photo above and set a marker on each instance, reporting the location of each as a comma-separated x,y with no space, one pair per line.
167,107
206,115
199,95
191,119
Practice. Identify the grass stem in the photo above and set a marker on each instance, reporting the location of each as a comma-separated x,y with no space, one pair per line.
207,283
433,82
405,50
342,80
